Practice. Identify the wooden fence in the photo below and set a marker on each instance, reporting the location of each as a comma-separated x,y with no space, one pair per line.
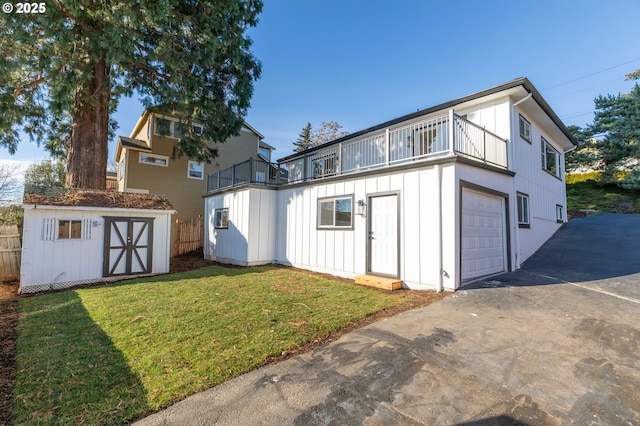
190,235
10,252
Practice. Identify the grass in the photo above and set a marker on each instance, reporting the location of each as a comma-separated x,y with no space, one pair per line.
112,354
588,194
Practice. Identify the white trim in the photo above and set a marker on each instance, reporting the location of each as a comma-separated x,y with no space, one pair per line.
148,154
190,162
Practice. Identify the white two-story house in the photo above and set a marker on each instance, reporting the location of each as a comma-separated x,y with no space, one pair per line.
435,199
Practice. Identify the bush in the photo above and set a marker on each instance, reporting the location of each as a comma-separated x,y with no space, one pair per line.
11,215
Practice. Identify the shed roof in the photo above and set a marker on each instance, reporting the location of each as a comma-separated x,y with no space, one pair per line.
94,198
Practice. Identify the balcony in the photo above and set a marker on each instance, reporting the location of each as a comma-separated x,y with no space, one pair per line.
441,136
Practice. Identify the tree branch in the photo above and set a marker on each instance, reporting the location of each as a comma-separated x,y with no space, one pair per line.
67,14
34,83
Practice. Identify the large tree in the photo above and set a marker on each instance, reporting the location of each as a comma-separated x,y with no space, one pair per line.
65,67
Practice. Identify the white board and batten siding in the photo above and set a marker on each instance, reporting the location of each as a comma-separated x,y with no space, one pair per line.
52,263
250,235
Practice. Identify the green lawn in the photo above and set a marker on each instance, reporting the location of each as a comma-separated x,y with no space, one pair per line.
111,354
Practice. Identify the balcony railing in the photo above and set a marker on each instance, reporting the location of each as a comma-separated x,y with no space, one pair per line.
448,134
253,170
445,135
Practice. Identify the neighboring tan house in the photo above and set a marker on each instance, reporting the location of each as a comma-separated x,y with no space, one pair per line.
144,164
434,200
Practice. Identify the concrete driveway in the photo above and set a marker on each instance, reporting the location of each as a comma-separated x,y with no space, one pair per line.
554,343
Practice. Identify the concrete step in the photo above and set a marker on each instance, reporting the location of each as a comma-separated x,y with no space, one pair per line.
379,282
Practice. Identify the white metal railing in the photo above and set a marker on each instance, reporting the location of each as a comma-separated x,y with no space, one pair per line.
420,140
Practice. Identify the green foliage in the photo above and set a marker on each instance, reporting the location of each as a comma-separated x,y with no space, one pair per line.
112,354
192,58
48,173
304,139
585,155
590,194
11,215
582,177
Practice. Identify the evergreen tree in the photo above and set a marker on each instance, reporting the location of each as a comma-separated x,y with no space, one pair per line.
65,67
304,139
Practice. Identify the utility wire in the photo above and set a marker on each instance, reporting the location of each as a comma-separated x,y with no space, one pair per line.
592,74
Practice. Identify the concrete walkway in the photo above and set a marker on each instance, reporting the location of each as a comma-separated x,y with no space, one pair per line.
554,343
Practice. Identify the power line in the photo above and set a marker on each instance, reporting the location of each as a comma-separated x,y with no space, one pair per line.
585,89
592,74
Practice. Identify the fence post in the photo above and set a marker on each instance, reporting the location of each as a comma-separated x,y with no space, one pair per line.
484,143
218,188
233,175
387,151
251,180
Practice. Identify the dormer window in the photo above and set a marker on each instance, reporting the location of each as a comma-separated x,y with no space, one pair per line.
265,153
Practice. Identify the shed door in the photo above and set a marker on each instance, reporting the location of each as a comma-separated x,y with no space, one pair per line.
483,231
128,246
383,235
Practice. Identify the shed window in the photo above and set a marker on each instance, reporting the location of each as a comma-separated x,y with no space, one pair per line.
335,213
222,218
69,229
559,213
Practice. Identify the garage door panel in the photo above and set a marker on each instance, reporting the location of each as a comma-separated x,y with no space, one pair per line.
482,234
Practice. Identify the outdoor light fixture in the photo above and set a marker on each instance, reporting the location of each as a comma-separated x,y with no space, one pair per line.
362,208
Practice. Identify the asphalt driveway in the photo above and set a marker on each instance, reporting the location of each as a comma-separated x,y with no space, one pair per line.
557,342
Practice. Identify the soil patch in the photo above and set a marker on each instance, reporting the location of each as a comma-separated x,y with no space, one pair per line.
8,323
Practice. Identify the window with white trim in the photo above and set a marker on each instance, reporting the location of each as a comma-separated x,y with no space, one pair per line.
523,210
154,159
525,129
559,213
66,229
550,158
221,218
335,213
173,128
195,170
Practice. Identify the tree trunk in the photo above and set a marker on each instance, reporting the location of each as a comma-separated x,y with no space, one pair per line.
88,149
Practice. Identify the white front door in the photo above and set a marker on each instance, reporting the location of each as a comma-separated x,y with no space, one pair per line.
383,235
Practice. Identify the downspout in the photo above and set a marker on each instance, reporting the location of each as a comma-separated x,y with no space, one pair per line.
513,165
440,286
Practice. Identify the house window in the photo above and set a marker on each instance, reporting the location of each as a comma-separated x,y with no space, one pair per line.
198,129
221,218
335,213
523,210
156,160
69,229
525,129
195,170
265,153
163,126
559,214
550,158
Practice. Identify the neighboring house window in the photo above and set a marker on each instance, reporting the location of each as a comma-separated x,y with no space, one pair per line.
265,153
523,210
335,213
222,218
196,170
163,126
559,213
525,129
156,160
550,158
174,128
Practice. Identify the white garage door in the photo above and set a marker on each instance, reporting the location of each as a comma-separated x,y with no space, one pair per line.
483,242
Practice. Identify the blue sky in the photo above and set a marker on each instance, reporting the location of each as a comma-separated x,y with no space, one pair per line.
363,62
